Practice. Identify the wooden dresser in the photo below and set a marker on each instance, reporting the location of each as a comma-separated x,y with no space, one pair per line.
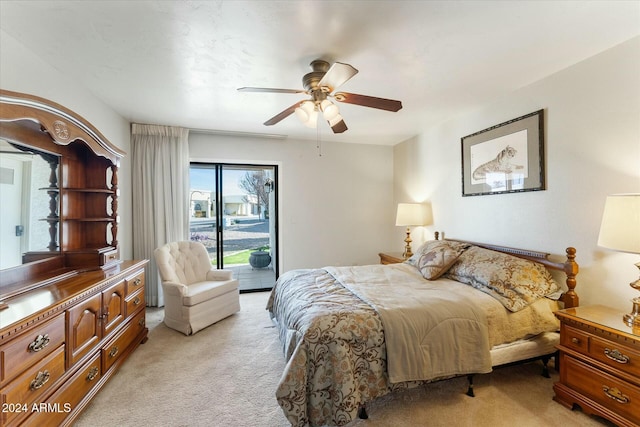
60,343
599,364
71,311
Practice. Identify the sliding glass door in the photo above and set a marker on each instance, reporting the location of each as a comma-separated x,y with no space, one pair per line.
233,212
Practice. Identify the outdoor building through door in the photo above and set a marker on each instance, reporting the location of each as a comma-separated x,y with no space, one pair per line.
233,213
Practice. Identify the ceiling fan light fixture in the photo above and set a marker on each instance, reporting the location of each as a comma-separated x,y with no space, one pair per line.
304,111
329,110
319,85
312,122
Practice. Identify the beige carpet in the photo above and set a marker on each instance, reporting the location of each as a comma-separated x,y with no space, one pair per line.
226,375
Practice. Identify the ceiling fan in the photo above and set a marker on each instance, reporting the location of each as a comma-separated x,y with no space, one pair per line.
320,85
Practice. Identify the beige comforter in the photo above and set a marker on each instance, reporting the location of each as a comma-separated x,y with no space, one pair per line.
429,331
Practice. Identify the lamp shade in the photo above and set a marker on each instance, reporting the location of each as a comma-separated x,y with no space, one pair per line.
620,228
304,111
312,122
412,214
329,110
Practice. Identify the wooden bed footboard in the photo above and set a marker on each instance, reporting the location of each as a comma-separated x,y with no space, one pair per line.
570,267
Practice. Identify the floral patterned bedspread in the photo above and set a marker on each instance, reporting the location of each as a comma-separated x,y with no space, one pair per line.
334,346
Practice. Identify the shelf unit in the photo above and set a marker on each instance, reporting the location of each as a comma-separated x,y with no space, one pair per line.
83,188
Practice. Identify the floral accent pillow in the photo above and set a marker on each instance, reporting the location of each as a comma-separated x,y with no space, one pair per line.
513,281
434,258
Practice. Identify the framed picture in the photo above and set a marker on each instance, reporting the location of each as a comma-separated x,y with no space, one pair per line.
505,158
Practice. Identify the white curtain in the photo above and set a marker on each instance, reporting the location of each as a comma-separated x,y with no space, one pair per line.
160,179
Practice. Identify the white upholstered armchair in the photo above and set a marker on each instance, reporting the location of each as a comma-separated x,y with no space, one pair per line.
196,295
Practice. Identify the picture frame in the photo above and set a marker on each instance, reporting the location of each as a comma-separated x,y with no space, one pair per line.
505,158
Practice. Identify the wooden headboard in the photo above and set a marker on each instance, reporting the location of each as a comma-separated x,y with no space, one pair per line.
569,267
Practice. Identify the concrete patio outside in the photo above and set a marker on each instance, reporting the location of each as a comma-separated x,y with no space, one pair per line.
253,279
245,233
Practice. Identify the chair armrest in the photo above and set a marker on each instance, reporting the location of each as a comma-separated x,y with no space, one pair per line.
219,275
174,288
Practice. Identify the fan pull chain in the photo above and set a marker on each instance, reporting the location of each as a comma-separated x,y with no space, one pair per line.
318,141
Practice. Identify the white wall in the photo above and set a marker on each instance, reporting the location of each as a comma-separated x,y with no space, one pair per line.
334,209
339,208
592,120
22,71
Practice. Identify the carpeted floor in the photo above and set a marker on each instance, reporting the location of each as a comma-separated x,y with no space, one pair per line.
226,375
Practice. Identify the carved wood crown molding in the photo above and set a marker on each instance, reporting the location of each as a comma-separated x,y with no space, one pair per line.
62,124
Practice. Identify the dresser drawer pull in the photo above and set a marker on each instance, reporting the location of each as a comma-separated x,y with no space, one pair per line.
141,321
616,356
615,394
39,343
114,351
40,380
93,373
136,301
137,282
575,340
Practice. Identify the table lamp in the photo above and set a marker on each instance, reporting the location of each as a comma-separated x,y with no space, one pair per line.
620,231
410,215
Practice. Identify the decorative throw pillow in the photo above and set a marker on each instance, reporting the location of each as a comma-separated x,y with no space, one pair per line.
513,281
435,257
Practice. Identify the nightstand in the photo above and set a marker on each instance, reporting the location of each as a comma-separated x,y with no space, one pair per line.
391,257
599,364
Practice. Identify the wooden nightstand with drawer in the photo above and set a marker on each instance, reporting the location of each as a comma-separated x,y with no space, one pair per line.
599,364
391,257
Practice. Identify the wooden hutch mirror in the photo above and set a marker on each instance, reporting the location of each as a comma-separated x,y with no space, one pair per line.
68,219
29,191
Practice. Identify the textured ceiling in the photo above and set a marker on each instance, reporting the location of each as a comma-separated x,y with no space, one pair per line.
180,62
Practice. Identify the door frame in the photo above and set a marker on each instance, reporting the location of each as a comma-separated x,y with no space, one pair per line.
218,165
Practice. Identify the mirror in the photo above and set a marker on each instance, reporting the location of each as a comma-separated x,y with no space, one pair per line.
29,197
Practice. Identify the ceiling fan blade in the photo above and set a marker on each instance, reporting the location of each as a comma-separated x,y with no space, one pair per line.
337,75
282,115
268,89
339,127
368,101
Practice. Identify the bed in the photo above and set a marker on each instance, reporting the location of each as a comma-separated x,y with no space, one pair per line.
353,334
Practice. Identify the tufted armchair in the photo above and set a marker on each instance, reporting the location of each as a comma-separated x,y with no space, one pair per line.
195,294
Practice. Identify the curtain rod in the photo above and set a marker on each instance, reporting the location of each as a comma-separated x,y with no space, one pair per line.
238,134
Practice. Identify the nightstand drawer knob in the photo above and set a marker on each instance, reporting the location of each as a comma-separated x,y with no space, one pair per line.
615,394
616,355
575,340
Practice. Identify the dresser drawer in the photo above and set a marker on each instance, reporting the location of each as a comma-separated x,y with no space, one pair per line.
135,282
66,399
121,342
574,338
618,356
30,348
605,389
36,380
135,302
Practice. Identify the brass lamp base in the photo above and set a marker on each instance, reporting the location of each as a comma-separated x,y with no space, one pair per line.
407,247
633,319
